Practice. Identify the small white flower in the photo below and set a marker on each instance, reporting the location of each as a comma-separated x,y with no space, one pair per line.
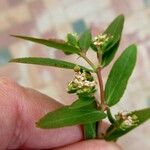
102,36
101,39
75,81
122,115
95,38
75,34
86,83
128,123
129,118
93,83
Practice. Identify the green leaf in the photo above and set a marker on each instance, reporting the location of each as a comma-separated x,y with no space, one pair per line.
93,47
88,103
67,117
114,133
90,131
72,39
112,44
114,29
119,75
47,62
84,102
85,40
55,43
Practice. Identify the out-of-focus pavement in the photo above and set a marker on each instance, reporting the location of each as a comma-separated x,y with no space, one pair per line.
54,18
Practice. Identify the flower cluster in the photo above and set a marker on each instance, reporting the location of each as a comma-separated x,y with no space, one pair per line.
83,82
75,35
126,120
102,40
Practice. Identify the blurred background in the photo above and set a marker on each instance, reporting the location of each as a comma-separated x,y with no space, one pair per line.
54,18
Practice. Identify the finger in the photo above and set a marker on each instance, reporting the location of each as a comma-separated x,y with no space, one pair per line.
92,145
20,109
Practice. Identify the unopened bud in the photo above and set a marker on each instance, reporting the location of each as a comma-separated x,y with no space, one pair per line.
77,68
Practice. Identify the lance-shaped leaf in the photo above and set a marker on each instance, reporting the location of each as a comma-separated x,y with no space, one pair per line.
114,29
72,39
119,75
114,132
84,102
88,103
55,43
47,62
85,40
68,117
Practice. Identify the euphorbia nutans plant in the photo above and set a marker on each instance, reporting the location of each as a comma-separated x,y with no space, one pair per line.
88,110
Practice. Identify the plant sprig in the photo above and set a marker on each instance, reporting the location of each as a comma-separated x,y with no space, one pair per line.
87,110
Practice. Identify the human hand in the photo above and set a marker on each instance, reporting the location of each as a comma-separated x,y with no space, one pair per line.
21,107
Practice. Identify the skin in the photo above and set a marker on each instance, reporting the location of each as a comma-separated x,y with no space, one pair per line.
21,107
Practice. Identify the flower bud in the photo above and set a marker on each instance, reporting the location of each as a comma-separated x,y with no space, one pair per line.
72,87
77,68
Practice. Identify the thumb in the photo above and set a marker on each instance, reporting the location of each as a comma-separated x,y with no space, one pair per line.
20,109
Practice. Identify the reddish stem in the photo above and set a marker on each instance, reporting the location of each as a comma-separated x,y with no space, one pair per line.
100,80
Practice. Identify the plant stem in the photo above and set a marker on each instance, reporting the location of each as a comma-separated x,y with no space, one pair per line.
99,56
101,105
88,61
100,135
110,117
110,132
102,102
89,130
100,80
